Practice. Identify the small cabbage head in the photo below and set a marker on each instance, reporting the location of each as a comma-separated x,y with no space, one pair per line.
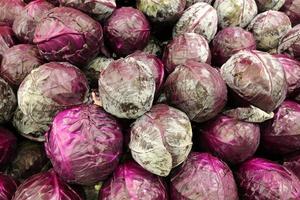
162,11
231,140
131,181
200,18
127,30
25,23
45,186
184,48
8,145
292,9
7,38
94,68
67,34
197,89
292,72
91,140
8,187
18,61
127,88
48,89
268,35
229,41
30,159
281,135
235,12
257,77
99,9
161,139
203,176
264,5
10,9
290,43
258,178
8,101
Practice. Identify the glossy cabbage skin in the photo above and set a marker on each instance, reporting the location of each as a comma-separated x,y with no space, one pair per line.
257,77
91,140
8,144
8,101
7,187
45,186
203,176
161,139
184,48
127,88
231,140
131,181
25,23
66,34
127,30
281,135
197,89
18,61
262,179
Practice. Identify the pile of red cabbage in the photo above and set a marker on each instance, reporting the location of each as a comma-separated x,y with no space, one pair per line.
149,99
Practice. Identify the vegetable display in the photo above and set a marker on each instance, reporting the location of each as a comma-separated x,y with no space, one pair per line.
149,99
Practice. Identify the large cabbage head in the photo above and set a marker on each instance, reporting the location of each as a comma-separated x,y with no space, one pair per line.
197,89
25,23
45,186
155,64
290,43
230,41
8,144
99,9
231,140
200,18
30,159
127,88
130,181
7,39
10,9
50,88
91,140
281,135
161,139
8,187
66,34
268,35
162,11
203,176
186,47
18,61
264,5
257,77
127,30
258,178
292,72
292,9
235,12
